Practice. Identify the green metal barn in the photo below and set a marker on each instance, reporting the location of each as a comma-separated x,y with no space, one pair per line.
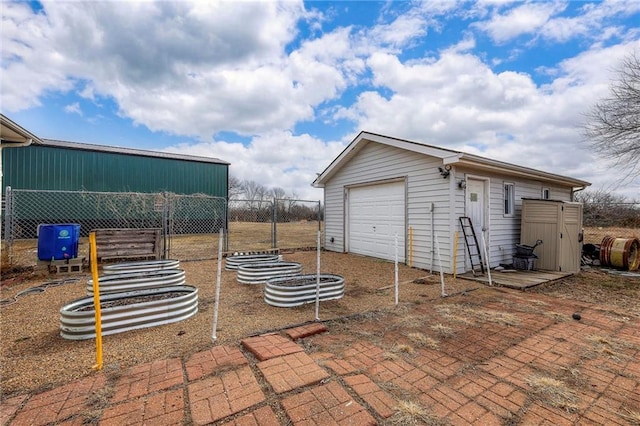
110,187
70,166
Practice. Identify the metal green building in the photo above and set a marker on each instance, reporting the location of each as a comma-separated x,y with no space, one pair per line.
71,166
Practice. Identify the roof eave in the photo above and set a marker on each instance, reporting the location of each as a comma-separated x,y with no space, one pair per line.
486,164
12,134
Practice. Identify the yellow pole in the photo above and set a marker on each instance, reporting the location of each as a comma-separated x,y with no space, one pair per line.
411,246
455,255
93,257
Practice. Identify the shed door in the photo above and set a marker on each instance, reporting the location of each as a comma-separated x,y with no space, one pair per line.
570,244
376,213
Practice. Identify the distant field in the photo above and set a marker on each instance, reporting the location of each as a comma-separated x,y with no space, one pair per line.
596,234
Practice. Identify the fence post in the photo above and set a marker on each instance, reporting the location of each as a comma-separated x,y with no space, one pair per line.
274,226
8,224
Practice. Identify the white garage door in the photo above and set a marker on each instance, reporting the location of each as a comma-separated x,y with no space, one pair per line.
375,215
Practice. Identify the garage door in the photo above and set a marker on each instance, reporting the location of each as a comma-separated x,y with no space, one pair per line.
375,215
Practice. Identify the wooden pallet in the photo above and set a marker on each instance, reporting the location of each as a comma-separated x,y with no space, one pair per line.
128,243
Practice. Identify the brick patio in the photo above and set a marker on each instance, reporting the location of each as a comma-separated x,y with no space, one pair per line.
482,373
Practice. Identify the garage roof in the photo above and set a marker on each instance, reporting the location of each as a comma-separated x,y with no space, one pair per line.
448,156
12,134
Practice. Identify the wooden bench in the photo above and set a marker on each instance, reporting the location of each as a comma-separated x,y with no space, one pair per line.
128,243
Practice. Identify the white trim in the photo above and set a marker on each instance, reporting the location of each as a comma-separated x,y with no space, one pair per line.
546,196
512,198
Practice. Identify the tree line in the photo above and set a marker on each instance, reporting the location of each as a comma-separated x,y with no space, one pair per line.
253,202
602,208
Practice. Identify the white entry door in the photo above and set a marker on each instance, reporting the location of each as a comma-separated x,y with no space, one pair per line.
376,214
476,210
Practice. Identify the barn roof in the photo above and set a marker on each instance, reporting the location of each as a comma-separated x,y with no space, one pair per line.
448,157
128,151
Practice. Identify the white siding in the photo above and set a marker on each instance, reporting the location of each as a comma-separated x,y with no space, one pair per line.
377,162
504,231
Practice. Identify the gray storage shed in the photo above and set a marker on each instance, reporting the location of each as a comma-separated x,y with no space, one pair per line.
559,225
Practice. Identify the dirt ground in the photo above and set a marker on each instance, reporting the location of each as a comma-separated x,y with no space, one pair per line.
34,357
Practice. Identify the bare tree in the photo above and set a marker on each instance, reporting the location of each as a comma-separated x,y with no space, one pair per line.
613,124
278,192
603,208
235,188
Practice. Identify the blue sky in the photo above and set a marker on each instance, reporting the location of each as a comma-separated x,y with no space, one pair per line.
278,89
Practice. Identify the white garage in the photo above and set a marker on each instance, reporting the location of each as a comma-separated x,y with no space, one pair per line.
375,216
380,186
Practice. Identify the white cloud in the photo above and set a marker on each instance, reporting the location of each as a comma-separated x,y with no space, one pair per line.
200,68
524,19
275,159
73,108
457,101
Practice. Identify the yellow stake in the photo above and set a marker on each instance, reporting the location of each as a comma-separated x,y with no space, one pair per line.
455,255
93,257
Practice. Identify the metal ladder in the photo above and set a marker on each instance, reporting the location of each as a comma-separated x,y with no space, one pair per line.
471,242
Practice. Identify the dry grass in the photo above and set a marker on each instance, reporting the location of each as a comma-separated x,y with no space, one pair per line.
410,413
609,347
449,313
466,315
632,415
554,391
442,330
403,348
422,340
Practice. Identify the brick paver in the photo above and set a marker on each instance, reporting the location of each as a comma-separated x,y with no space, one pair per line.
147,378
216,397
328,404
263,416
270,346
306,330
62,403
9,407
207,362
479,376
291,372
378,400
164,408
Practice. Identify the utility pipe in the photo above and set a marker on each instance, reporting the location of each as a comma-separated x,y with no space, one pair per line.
444,294
486,257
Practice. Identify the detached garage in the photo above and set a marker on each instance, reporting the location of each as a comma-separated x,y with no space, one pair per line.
381,188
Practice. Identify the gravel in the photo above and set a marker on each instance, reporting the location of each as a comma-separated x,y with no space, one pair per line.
34,357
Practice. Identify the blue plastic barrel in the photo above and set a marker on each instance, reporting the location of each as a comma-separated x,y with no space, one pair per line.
58,241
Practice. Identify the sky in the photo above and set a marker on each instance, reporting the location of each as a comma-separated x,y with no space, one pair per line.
279,89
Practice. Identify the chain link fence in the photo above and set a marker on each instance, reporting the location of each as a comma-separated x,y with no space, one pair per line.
190,224
610,220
